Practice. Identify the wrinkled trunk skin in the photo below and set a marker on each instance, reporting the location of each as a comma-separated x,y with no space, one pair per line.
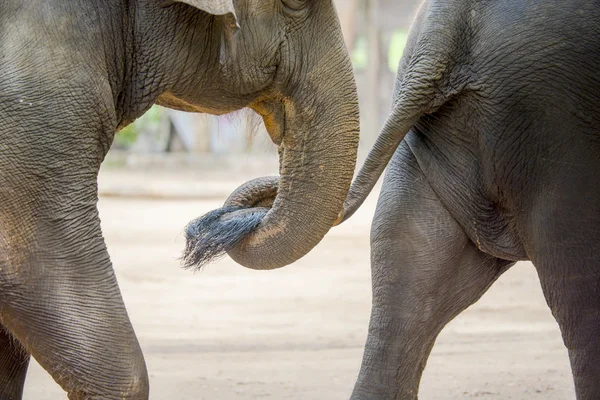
319,147
316,173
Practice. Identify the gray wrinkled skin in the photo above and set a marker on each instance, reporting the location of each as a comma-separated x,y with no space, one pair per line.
494,141
72,73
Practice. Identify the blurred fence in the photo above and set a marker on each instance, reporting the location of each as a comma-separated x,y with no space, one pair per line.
375,31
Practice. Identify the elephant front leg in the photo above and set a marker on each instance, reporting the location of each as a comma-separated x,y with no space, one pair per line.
425,272
14,362
59,296
66,309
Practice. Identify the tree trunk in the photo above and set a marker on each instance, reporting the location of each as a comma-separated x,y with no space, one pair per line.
373,111
347,10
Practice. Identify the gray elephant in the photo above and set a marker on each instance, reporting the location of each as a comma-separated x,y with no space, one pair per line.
494,141
72,73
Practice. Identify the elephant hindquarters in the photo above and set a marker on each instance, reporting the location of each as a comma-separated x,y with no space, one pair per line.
425,272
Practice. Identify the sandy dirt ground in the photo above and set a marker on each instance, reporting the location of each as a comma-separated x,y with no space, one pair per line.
228,333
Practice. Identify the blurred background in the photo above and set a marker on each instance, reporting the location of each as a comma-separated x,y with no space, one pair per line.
227,333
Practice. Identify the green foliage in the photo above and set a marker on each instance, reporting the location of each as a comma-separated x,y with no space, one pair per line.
127,136
397,45
360,54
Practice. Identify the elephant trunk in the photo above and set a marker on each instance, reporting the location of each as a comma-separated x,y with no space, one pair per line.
316,172
270,223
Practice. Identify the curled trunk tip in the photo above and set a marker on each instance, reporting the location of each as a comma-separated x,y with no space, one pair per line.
211,236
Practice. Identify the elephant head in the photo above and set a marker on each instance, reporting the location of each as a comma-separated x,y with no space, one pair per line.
285,59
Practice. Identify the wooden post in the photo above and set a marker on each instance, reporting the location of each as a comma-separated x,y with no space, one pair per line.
347,10
372,111
203,125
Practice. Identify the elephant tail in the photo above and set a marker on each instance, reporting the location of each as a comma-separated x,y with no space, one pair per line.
430,74
398,124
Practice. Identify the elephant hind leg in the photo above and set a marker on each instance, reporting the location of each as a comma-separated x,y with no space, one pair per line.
575,303
569,270
14,362
425,272
562,231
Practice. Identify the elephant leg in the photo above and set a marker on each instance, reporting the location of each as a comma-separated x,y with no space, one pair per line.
425,271
575,303
566,259
60,298
76,326
13,367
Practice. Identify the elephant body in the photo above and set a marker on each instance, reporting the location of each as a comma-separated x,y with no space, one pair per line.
494,141
72,73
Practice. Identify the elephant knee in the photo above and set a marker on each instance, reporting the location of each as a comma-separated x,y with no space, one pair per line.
139,386
131,386
136,386
114,374
396,233
139,389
